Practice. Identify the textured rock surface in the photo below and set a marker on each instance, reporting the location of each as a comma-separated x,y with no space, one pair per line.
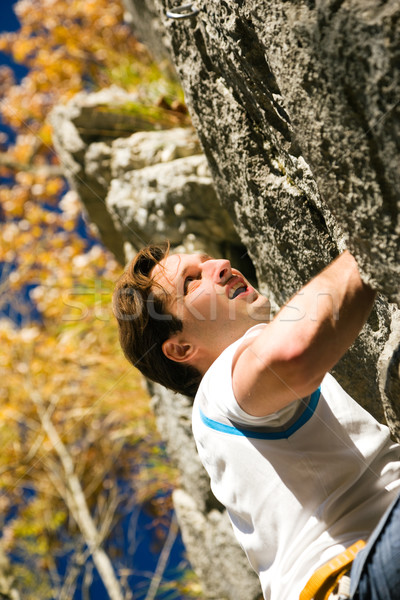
144,18
175,200
296,107
305,155
389,376
208,538
305,94
141,186
76,127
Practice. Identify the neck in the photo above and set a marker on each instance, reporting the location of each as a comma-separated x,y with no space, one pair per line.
209,352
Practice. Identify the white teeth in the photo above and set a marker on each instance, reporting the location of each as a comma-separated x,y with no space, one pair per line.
236,286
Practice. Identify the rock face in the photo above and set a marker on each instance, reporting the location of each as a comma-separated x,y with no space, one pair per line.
141,186
305,155
305,94
295,104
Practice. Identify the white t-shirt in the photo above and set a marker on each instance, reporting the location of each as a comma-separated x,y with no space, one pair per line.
300,485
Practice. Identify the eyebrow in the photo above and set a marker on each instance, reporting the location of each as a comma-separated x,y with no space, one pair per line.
203,258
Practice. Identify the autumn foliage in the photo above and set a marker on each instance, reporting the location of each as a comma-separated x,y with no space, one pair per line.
73,413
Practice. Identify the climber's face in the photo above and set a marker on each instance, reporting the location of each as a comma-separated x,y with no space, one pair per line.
214,301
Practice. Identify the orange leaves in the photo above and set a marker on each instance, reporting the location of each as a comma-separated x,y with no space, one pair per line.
22,49
23,149
70,365
67,45
54,187
13,199
45,134
7,79
96,404
62,37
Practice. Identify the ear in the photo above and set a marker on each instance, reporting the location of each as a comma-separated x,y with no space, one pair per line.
177,351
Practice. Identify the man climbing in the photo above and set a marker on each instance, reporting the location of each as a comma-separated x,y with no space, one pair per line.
305,473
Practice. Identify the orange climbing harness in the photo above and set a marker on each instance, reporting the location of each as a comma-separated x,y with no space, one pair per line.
325,579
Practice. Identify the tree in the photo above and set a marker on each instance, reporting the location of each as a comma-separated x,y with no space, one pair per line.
76,425
68,46
79,440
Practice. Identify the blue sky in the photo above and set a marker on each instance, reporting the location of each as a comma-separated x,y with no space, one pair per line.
9,22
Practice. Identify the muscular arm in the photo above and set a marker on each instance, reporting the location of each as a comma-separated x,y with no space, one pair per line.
289,359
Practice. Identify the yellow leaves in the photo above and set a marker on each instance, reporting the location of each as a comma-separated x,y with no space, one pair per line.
98,407
25,9
34,213
67,46
10,232
60,34
22,150
12,201
7,79
71,365
107,20
45,134
22,49
59,365
4,43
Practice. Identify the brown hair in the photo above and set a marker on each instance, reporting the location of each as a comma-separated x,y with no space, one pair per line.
144,323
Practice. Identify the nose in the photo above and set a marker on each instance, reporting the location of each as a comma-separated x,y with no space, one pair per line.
219,270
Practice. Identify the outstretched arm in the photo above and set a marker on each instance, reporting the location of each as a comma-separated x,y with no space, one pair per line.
289,359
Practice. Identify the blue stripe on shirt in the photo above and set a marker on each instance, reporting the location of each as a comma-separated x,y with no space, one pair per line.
263,435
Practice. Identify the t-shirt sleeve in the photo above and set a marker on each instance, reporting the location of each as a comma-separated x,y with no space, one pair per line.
217,392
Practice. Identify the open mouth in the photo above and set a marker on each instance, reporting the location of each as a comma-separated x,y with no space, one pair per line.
236,289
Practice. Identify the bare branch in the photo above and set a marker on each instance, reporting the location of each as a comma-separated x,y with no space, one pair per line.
163,559
109,514
76,502
15,165
69,585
